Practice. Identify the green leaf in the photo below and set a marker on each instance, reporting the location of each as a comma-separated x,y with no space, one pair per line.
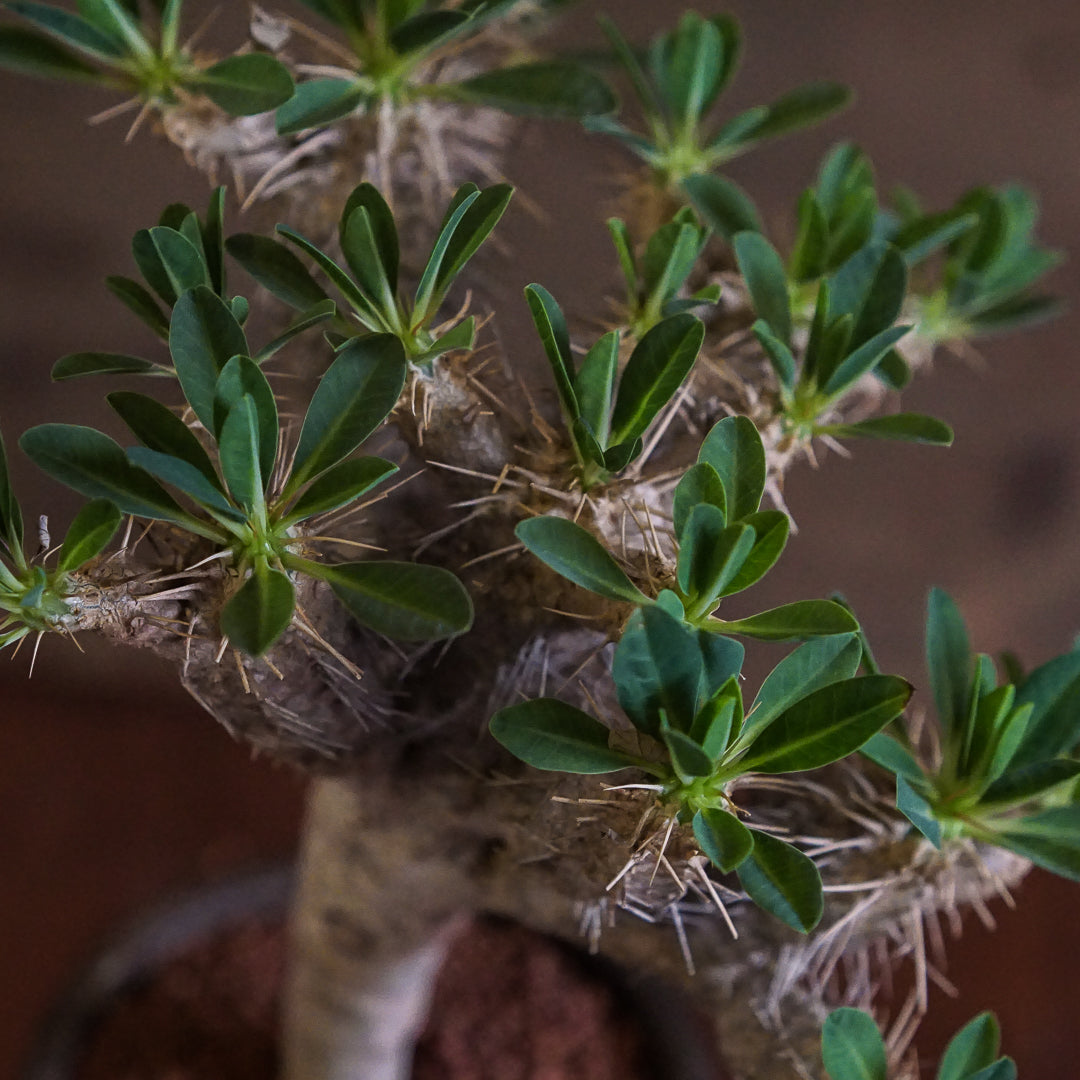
790,622
1015,312
771,529
710,556
724,839
863,360
95,466
918,811
852,1047
405,601
949,661
780,356
377,244
804,670
69,28
551,326
973,1047
595,384
807,105
156,426
276,269
30,53
1002,1069
905,427
213,239
722,204
719,718
98,363
94,526
11,522
318,102
353,398
186,478
138,301
578,556
688,758
182,262
242,377
700,484
1029,781
318,314
460,337
550,734
734,449
891,754
766,280
658,671
246,84
260,611
870,287
427,30
340,485
203,337
781,880
1053,691
827,724
807,261
238,450
1050,839
426,300
660,362
543,88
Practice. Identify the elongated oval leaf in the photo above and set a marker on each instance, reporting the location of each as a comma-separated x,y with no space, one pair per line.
688,757
259,612
246,84
763,270
406,601
828,724
863,360
99,363
904,427
852,1047
203,336
481,216
771,529
379,242
340,485
140,303
576,554
551,326
1050,839
241,377
734,449
700,484
889,753
238,449
29,53
317,102
276,269
973,1047
660,362
181,260
1029,781
781,880
917,809
11,521
1053,691
710,556
802,619
92,464
807,105
725,840
353,398
723,205
185,477
94,526
949,660
69,28
594,385
550,734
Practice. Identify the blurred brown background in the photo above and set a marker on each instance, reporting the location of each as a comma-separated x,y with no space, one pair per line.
114,787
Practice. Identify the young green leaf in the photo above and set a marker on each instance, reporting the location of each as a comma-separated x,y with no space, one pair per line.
949,660
29,53
543,88
766,280
771,529
555,337
550,734
318,102
723,838
98,363
781,880
807,105
852,1047
140,303
688,758
260,611
71,29
700,484
789,622
1050,839
827,724
276,269
905,427
185,477
780,355
722,204
245,85
892,755
405,601
595,385
660,362
1029,782
238,449
863,360
710,556
94,526
241,377
576,554
353,398
11,522
1053,691
734,449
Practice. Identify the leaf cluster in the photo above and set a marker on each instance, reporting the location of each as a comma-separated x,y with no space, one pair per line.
393,42
677,81
653,286
607,415
111,43
1008,771
369,241
34,597
852,1049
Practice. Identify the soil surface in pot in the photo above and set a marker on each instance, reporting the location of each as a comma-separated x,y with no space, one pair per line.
509,1005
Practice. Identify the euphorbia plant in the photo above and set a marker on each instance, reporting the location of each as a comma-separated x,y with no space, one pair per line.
578,557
